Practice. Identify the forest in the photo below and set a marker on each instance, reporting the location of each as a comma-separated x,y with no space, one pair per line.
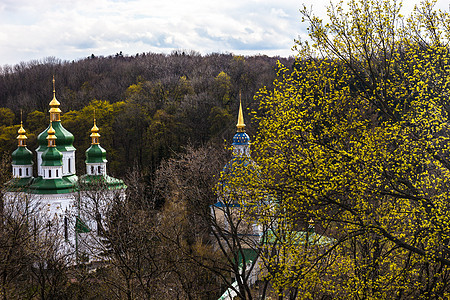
166,122
345,195
148,107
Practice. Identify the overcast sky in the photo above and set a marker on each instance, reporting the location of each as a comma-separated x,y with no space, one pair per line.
73,29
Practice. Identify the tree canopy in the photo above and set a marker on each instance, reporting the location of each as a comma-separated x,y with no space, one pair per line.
356,137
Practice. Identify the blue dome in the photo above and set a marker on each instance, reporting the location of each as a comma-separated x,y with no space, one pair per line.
241,138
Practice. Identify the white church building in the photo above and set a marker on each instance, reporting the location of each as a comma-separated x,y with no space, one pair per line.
56,193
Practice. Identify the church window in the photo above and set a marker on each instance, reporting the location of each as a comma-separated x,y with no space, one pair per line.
57,173
68,163
99,170
50,173
20,172
27,171
92,170
66,233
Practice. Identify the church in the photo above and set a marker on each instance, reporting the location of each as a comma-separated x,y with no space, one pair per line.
56,193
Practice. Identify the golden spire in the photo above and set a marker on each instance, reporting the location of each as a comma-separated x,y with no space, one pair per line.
95,135
21,137
51,136
240,124
54,106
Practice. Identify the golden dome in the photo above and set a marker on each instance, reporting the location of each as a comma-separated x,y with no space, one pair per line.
94,128
51,136
54,103
51,133
95,135
21,137
21,132
54,106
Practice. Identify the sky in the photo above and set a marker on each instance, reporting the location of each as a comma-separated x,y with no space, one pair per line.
75,29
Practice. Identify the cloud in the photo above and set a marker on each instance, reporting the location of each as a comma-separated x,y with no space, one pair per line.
71,29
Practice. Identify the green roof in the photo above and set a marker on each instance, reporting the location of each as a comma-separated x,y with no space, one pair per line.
95,154
247,256
64,139
63,185
22,156
87,181
52,157
18,184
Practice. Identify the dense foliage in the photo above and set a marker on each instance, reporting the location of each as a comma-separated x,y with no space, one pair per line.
353,137
357,138
148,106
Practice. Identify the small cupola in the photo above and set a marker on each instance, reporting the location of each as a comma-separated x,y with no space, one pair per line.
94,134
55,111
52,157
95,155
22,158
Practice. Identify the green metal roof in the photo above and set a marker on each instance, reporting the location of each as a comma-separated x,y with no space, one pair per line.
87,181
52,157
64,185
18,184
64,139
95,154
22,156
68,184
247,256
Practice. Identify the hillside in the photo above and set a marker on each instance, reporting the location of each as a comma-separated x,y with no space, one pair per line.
149,106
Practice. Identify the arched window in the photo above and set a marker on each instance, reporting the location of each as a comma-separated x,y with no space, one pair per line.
99,170
68,163
66,232
20,172
27,171
57,173
50,173
92,170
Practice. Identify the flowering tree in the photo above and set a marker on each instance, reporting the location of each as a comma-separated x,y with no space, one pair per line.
356,136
